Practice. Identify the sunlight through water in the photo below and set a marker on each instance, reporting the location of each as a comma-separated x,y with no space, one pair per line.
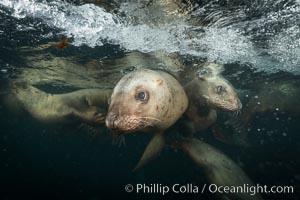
225,40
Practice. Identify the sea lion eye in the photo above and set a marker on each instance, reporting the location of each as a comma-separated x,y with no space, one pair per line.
142,96
220,89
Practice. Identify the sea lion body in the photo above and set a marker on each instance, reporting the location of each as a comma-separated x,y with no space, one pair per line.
218,168
277,97
87,105
286,94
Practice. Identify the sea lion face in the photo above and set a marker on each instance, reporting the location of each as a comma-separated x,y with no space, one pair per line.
220,94
145,99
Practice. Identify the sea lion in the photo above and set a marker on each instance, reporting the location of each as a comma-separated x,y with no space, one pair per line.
277,97
207,93
86,105
146,100
218,168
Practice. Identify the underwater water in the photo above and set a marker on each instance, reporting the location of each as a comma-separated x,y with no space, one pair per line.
257,41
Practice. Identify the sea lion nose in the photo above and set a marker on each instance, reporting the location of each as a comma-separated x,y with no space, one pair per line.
110,119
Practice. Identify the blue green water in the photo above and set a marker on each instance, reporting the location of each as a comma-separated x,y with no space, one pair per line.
258,41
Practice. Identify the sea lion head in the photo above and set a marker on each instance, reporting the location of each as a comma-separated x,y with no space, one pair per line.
145,99
218,92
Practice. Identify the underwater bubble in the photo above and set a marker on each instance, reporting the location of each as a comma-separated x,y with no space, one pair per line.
239,40
284,134
262,142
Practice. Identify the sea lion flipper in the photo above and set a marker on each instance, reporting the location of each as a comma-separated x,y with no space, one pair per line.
218,134
152,150
82,105
218,168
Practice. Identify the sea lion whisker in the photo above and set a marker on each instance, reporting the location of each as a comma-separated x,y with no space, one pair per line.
136,126
147,122
206,97
150,118
221,102
235,113
139,123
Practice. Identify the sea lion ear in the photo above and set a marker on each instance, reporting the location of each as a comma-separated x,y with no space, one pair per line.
204,73
215,68
129,69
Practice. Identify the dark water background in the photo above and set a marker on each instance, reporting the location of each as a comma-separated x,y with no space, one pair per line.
64,162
